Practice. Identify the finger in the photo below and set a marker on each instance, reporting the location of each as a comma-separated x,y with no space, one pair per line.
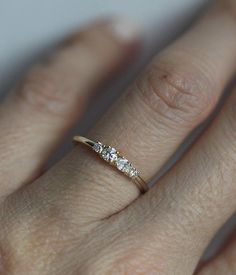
194,199
51,97
223,263
150,120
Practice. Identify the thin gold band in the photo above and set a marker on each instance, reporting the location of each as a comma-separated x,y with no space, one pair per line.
113,157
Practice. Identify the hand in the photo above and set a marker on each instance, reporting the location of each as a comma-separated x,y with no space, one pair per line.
83,216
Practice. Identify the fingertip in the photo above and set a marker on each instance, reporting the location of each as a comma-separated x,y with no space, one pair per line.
124,30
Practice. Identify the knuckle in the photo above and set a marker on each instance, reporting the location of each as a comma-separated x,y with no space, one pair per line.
176,93
39,89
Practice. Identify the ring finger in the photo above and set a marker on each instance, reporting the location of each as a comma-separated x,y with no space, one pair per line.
177,91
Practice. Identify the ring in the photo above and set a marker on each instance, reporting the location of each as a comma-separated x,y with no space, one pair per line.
113,157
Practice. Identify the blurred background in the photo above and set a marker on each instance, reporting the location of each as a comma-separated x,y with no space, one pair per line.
29,29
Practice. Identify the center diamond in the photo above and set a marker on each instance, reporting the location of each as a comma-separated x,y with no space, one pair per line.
109,154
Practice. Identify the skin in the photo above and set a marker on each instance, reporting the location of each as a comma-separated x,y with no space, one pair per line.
82,216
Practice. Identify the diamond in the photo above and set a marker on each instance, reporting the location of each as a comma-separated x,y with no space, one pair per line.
97,147
109,154
121,163
133,172
127,168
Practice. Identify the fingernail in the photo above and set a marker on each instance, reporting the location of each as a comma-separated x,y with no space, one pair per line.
124,30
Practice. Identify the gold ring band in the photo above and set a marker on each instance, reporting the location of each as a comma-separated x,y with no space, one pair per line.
113,157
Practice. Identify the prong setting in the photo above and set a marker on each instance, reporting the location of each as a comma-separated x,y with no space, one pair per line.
112,156
98,147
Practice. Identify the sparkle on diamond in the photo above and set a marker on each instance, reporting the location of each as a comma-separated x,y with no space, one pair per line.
109,154
125,166
97,147
121,163
133,172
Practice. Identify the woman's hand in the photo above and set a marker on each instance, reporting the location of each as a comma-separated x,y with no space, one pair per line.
83,216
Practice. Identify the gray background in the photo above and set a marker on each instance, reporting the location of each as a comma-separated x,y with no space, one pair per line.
29,28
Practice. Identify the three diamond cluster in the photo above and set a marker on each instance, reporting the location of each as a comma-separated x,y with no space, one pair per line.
112,156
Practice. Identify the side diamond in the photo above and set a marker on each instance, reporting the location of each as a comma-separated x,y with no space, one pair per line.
97,147
121,163
133,172
125,166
